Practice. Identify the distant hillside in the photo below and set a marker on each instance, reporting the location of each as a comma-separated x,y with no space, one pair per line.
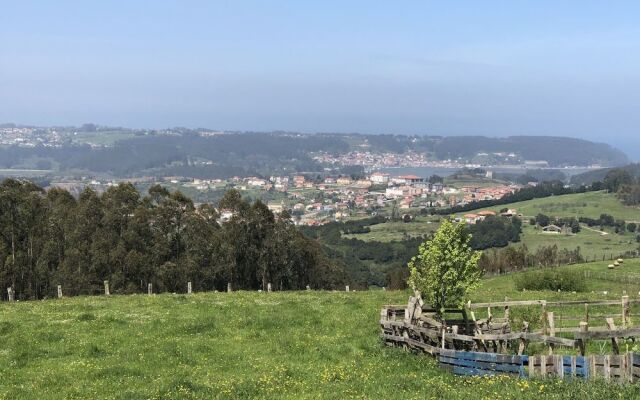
212,154
589,177
557,151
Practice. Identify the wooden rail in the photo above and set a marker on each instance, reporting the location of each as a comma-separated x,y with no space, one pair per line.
469,346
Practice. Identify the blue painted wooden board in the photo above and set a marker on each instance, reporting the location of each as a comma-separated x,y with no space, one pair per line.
471,355
472,371
510,368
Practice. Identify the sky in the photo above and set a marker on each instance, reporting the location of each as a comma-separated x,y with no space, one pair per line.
495,68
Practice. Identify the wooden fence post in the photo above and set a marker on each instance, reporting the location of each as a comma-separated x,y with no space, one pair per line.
532,366
544,319
584,328
552,330
614,340
106,288
59,291
10,293
586,312
523,343
150,289
268,287
229,290
189,289
625,312
559,364
623,367
607,367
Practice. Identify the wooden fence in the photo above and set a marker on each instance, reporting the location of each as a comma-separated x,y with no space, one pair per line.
469,346
622,368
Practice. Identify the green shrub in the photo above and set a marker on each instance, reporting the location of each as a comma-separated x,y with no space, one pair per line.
551,279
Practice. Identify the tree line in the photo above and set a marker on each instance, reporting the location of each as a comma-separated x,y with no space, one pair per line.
49,238
516,258
626,186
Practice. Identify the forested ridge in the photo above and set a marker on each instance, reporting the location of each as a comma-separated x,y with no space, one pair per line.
185,152
50,238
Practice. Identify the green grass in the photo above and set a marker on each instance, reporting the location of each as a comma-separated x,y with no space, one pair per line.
589,204
592,244
601,284
498,287
390,231
297,345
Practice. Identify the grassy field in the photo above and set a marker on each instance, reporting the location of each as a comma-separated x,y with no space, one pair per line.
498,287
592,243
389,231
590,204
601,284
298,345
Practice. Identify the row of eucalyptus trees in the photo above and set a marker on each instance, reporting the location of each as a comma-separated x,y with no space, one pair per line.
50,238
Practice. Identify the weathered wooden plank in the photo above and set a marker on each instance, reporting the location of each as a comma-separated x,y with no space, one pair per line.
559,367
614,340
478,356
514,336
474,306
430,321
472,371
584,328
548,339
569,303
607,334
492,366
531,366
625,311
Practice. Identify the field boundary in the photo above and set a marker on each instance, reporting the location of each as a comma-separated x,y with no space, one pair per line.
466,346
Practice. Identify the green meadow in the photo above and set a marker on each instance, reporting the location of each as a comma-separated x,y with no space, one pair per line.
589,204
592,242
398,230
291,345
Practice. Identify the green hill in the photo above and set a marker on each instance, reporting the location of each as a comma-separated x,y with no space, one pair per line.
589,204
593,243
587,178
296,345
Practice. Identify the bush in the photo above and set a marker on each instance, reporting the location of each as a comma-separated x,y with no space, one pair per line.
551,279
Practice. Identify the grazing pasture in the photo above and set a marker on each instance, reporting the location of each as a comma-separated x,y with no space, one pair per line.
592,242
308,344
588,204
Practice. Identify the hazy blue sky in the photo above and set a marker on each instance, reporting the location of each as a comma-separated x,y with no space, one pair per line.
450,67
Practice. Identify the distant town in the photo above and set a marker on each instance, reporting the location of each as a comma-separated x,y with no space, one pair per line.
316,178
319,201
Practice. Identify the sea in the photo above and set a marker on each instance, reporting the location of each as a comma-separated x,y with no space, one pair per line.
446,171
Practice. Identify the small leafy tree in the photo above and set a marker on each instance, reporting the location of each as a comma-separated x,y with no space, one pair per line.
446,267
